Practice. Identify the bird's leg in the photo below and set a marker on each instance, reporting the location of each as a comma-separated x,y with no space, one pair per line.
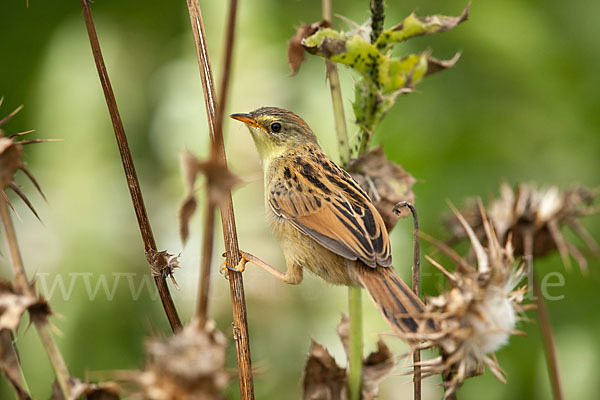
293,276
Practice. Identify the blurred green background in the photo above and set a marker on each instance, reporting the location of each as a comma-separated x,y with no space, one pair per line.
520,105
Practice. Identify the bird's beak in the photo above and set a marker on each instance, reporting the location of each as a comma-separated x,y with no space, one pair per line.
248,120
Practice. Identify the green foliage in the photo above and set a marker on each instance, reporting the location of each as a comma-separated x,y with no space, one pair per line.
383,77
413,26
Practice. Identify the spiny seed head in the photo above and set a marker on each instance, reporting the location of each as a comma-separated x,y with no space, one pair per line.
11,159
188,365
478,314
532,217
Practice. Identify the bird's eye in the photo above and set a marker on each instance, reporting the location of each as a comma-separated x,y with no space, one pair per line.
275,127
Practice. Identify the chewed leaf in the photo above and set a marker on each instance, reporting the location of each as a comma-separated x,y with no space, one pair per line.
417,26
387,74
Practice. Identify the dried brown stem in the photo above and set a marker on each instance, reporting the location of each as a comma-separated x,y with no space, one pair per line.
209,218
240,324
416,275
226,74
39,319
205,262
130,174
544,320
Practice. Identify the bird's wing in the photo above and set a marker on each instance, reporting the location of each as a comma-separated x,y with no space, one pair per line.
323,201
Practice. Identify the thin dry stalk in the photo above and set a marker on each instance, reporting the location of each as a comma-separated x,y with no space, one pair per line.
544,320
205,262
130,174
39,319
416,276
236,284
209,218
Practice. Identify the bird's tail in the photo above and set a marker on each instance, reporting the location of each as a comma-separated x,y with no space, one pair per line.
401,308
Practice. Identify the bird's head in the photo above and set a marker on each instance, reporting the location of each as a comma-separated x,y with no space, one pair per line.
276,131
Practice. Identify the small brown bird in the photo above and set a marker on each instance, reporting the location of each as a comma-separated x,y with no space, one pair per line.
323,219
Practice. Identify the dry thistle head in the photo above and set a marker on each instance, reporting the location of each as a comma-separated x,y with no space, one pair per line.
478,314
325,380
11,160
14,303
91,391
189,365
386,183
533,217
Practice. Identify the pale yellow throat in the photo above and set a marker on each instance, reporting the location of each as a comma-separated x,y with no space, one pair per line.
267,149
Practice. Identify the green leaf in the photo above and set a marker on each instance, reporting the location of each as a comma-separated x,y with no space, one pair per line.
386,74
415,26
384,77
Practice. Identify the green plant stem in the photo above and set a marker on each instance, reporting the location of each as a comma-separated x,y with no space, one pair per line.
354,294
336,98
338,113
377,18
356,343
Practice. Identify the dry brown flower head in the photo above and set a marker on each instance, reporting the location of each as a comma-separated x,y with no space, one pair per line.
533,217
325,380
386,183
188,365
11,160
478,314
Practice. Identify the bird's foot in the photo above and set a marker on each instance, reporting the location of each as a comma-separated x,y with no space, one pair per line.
240,267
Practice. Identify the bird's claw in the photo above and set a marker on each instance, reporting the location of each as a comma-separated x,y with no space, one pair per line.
240,267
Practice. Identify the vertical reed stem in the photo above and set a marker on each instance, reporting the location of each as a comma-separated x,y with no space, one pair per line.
206,261
130,174
354,294
336,96
416,275
236,284
544,321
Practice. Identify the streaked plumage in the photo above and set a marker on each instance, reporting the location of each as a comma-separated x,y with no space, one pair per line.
323,219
